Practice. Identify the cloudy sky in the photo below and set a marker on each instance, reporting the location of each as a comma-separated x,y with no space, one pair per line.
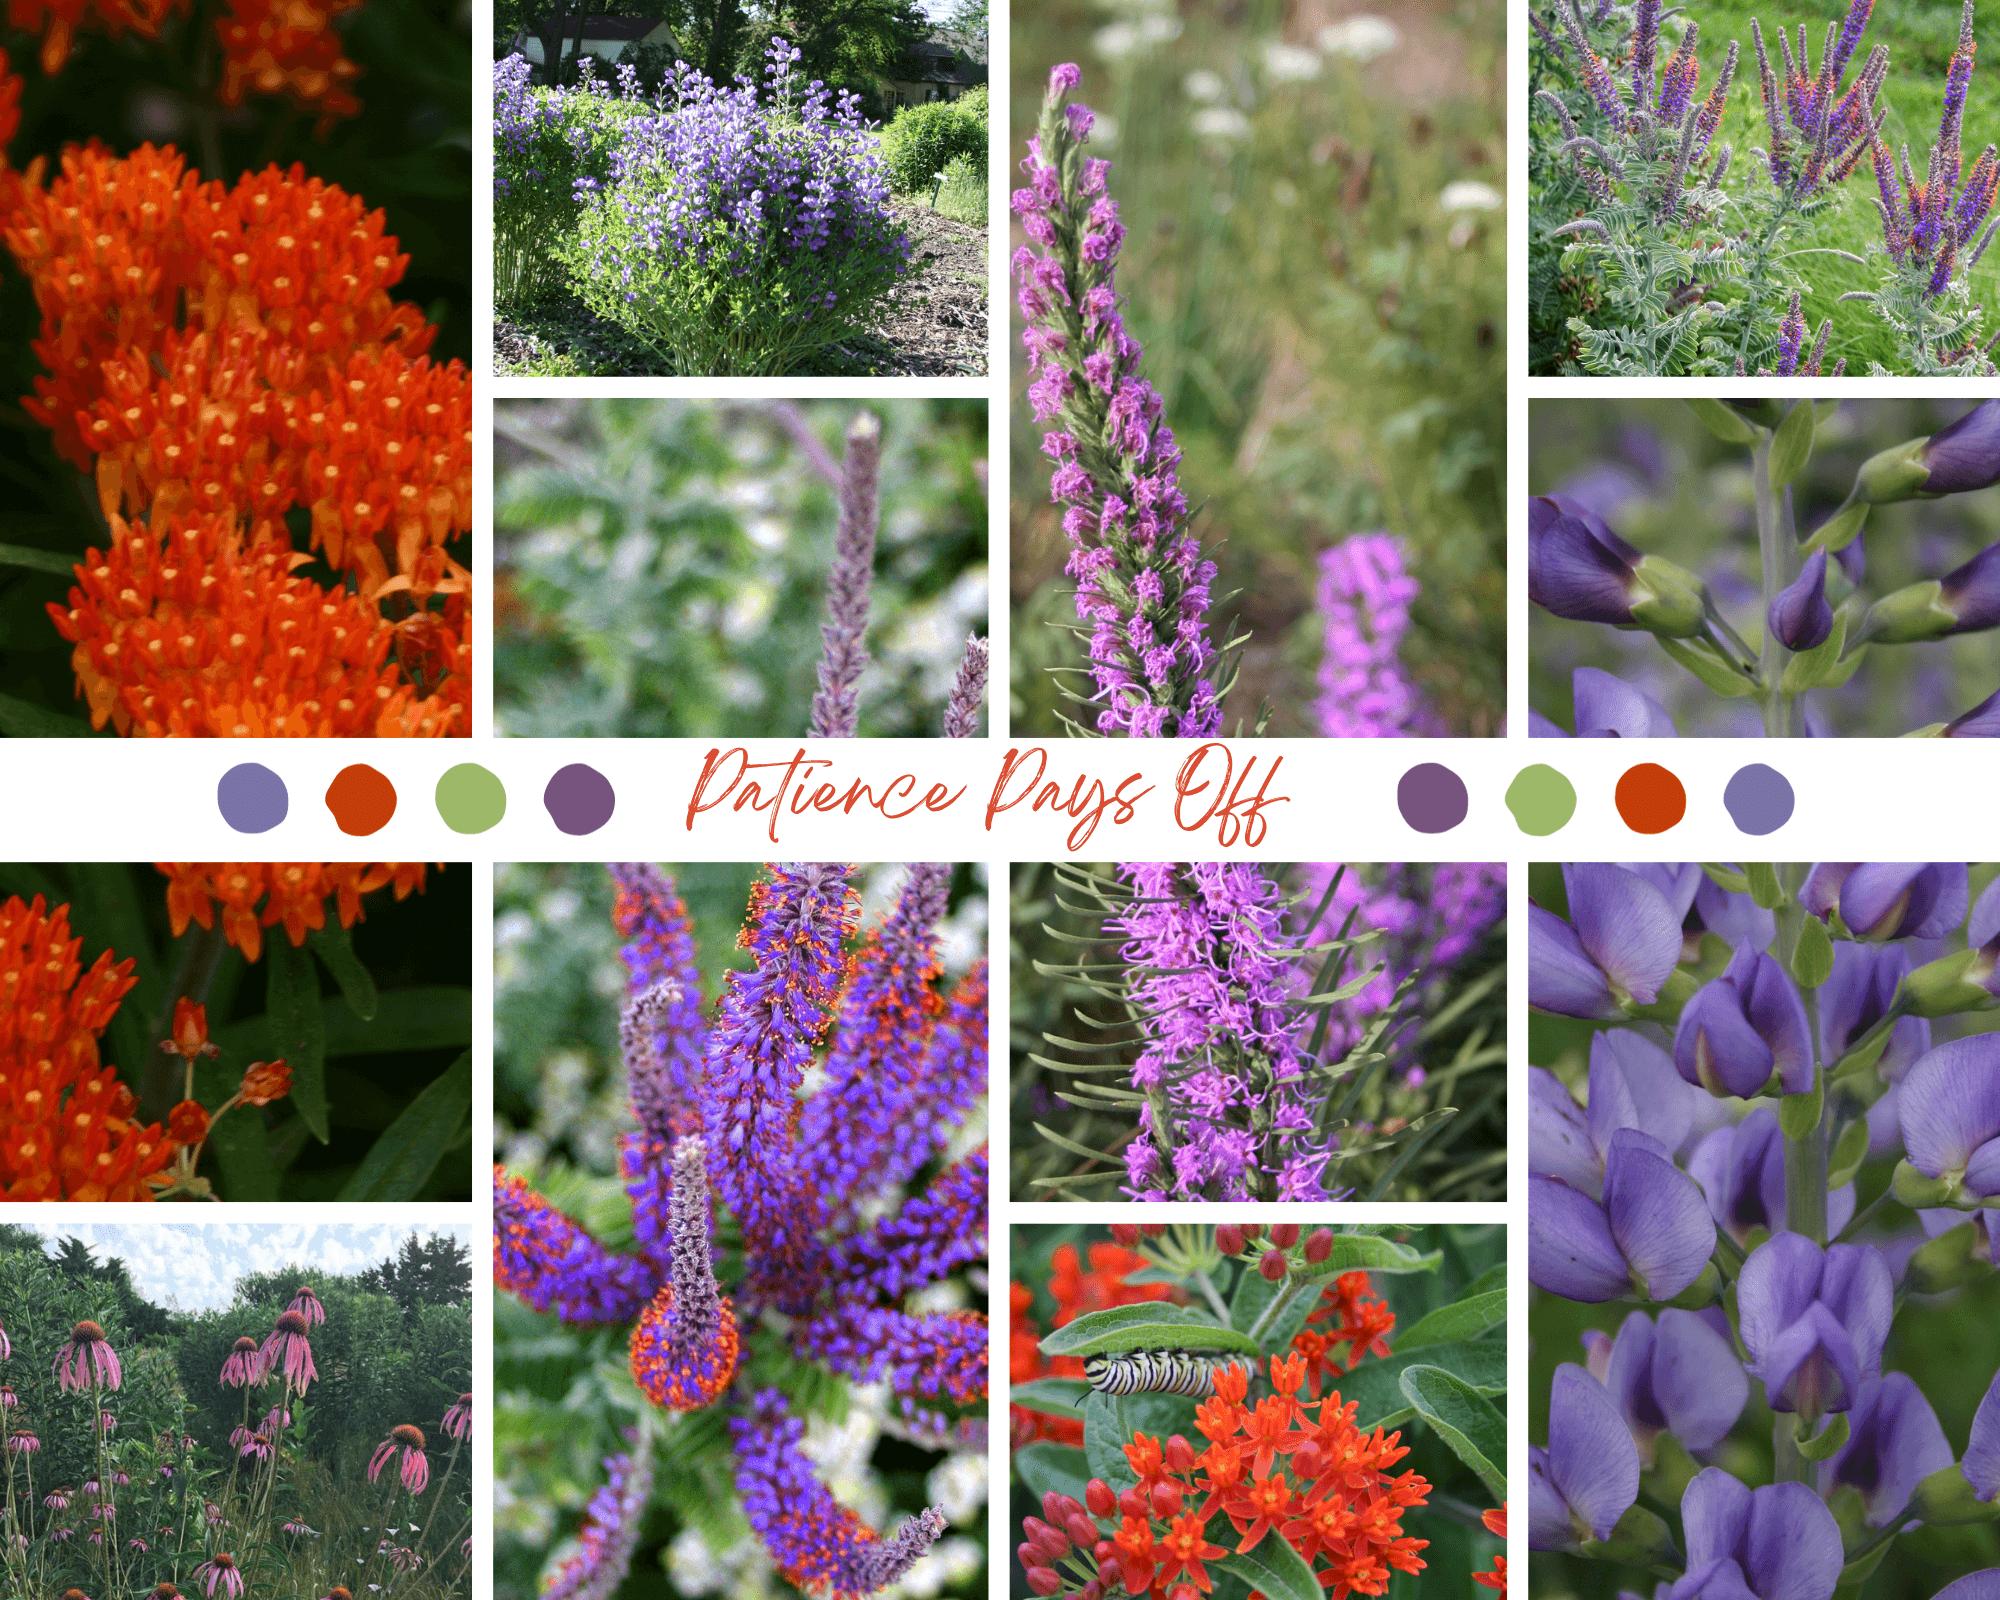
194,1268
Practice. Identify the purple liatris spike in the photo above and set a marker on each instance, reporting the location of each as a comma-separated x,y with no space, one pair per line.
820,1544
844,650
932,1235
762,1040
1142,592
1365,594
939,1355
610,1531
684,1349
551,1264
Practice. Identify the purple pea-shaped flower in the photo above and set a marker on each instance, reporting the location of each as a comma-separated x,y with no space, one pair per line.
1745,1026
1894,1442
1620,946
1857,995
1881,900
1651,1234
1579,569
1814,1321
1742,1171
1632,1085
1778,1542
1588,1477
1981,1461
1608,707
1950,1109
1964,455
1679,1377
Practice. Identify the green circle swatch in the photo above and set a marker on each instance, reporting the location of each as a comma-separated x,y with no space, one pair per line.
470,799
1541,798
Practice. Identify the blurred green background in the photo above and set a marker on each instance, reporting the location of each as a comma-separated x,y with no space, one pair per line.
563,1392
1946,1342
1669,486
1328,338
408,153
662,565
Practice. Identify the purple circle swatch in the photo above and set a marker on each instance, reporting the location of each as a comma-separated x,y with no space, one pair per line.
1432,798
252,798
579,799
1759,799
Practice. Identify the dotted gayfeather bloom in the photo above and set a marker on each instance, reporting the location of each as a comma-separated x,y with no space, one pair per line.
1142,586
610,1531
684,1348
818,1544
553,1265
1364,597
968,690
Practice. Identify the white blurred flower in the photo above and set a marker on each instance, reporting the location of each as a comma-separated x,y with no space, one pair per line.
560,905
1287,63
957,1485
747,610
1120,39
1204,86
1468,194
1284,193
1222,203
1104,131
1222,122
1361,38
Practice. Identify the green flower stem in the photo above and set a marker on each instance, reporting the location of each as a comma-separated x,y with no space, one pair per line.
1280,1303
1778,547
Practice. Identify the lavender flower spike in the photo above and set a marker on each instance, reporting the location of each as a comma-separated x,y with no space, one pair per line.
1142,585
1588,1477
611,1526
968,689
684,1349
1365,595
845,652
1778,1542
1814,1321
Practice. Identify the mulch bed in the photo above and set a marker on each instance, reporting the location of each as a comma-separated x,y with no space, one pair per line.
931,325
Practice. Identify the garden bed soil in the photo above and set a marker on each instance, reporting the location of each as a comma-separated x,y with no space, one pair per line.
931,325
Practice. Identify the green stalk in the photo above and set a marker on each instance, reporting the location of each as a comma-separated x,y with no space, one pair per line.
1778,549
1280,1302
1805,1160
437,1501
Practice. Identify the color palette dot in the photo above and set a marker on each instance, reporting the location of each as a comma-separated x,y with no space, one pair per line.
470,799
1650,798
579,799
1541,798
252,798
1432,798
1759,799
361,799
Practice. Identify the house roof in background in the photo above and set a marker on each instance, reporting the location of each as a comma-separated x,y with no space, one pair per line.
606,27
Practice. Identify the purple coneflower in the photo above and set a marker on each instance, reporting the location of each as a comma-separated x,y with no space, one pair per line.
22,1443
307,1304
458,1420
8,1398
62,1535
404,1559
221,1572
6,1349
257,1445
299,1530
210,1510
136,1543
87,1361
245,1365
288,1350
416,1467
58,1499
107,1422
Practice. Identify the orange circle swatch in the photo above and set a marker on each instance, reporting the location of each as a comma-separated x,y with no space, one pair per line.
361,799
1650,798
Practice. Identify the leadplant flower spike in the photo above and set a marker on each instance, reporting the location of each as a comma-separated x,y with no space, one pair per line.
775,1225
834,708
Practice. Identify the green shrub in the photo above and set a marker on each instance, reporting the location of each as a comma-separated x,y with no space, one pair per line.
962,195
923,139
973,104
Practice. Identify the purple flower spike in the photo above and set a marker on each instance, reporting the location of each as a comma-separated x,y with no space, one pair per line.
1610,708
1856,997
1588,1477
1775,1543
1883,900
1894,1443
1950,1107
1747,1024
1981,1462
1622,942
1742,1171
1577,567
1964,455
1680,1378
1814,1321
1800,615
1651,1236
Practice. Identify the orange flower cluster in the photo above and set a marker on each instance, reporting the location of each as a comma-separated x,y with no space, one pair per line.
1496,1523
221,357
1302,1470
288,47
294,894
1359,1321
66,1124
63,17
1075,1292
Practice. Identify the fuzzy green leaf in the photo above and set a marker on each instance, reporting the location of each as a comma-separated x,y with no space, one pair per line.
1465,1419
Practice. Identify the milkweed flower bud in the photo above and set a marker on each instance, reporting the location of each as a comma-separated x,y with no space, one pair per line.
1284,1234
1125,1233
1229,1238
1272,1264
1319,1245
1098,1498
1800,614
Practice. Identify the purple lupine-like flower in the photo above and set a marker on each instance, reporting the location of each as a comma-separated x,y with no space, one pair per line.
807,1532
545,1259
968,690
1814,1321
1364,600
1857,995
1984,1585
844,652
1893,1444
1651,1235
1964,455
86,1361
1971,593
1679,1377
1981,1461
1621,944
684,1349
1800,614
1608,707
610,1531
1949,1105
1777,1542
1142,584
1632,1085
1748,1026
1981,722
1742,1171
1588,1475
1882,900
1577,567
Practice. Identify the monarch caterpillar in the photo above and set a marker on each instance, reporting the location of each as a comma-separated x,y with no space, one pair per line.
1156,1371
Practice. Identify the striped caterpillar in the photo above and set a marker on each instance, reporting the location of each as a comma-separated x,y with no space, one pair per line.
1154,1371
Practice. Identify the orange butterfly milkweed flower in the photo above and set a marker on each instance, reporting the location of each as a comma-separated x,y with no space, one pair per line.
294,895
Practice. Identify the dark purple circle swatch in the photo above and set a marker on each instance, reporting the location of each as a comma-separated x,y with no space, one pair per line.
252,798
579,799
1759,799
1432,798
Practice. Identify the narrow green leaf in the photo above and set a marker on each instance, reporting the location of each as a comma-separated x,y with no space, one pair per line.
400,1162
335,948
1354,1251
1462,1319
1765,890
1725,424
106,912
1849,1151
427,1018
1799,1114
1724,680
1074,1148
1465,1419
1829,1439
1792,444
20,720
295,1029
1726,878
16,555
1839,530
1274,1569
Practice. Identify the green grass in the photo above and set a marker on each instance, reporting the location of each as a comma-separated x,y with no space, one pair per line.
963,198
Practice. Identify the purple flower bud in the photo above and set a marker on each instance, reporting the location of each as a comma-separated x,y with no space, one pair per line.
1889,899
1651,1235
1800,615
1778,1542
1588,1477
1981,1462
1964,455
1971,593
1747,1024
1894,1443
1681,1377
1742,1171
1950,1108
1622,942
1814,1321
1577,567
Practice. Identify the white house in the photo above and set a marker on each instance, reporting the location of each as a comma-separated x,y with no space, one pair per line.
605,37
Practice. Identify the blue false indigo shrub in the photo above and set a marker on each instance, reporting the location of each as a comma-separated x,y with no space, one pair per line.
1762,1040
1816,629
739,235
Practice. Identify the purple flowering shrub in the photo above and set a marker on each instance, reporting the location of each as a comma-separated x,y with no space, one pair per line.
1220,1037
777,1277
1823,636
1764,1158
739,234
